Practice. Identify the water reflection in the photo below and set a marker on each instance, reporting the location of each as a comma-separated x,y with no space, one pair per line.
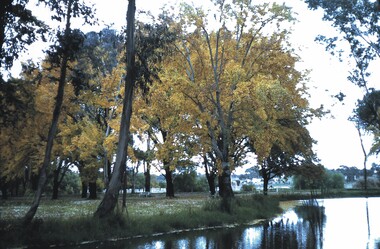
332,223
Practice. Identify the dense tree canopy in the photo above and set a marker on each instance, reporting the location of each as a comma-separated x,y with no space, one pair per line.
237,80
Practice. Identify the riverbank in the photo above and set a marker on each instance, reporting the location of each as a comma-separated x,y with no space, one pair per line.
69,221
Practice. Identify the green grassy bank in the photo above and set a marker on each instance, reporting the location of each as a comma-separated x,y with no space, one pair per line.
70,221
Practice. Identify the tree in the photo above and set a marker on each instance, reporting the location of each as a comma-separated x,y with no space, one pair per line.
216,70
309,176
169,129
18,29
333,180
211,171
69,42
25,138
187,180
317,177
358,22
351,173
367,117
16,149
59,173
98,77
110,198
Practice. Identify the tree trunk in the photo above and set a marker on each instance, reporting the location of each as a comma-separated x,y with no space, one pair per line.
225,188
125,182
92,190
169,182
54,124
56,181
55,185
4,191
147,180
106,170
265,183
147,168
133,181
210,176
211,183
365,158
108,204
84,189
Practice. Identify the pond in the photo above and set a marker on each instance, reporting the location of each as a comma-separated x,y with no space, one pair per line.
328,223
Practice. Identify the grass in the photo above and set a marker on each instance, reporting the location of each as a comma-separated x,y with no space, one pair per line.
69,221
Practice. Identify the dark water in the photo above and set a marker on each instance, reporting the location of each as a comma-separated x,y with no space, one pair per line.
351,223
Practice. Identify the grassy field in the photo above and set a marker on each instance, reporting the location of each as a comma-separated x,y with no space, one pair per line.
69,220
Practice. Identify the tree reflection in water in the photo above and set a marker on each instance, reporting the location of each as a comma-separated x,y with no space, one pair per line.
303,227
304,232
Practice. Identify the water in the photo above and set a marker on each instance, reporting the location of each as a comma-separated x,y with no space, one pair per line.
352,223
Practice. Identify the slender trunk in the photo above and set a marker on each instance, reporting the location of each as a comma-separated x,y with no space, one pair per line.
56,180
92,190
211,183
4,191
34,181
106,169
147,168
125,182
365,157
265,184
147,180
110,198
169,182
210,176
55,185
109,173
133,183
84,189
54,125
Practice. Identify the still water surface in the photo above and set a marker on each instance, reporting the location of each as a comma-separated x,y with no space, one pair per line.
352,223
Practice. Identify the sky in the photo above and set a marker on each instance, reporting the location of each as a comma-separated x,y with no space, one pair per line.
337,138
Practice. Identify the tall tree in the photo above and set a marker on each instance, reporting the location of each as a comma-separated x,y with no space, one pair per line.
367,117
169,128
69,42
358,23
218,70
287,155
110,198
18,28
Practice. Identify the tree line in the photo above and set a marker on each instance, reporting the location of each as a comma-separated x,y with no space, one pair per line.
209,95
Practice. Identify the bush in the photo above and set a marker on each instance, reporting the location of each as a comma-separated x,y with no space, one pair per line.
248,188
371,183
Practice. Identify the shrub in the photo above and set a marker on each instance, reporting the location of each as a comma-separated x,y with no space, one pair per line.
248,188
